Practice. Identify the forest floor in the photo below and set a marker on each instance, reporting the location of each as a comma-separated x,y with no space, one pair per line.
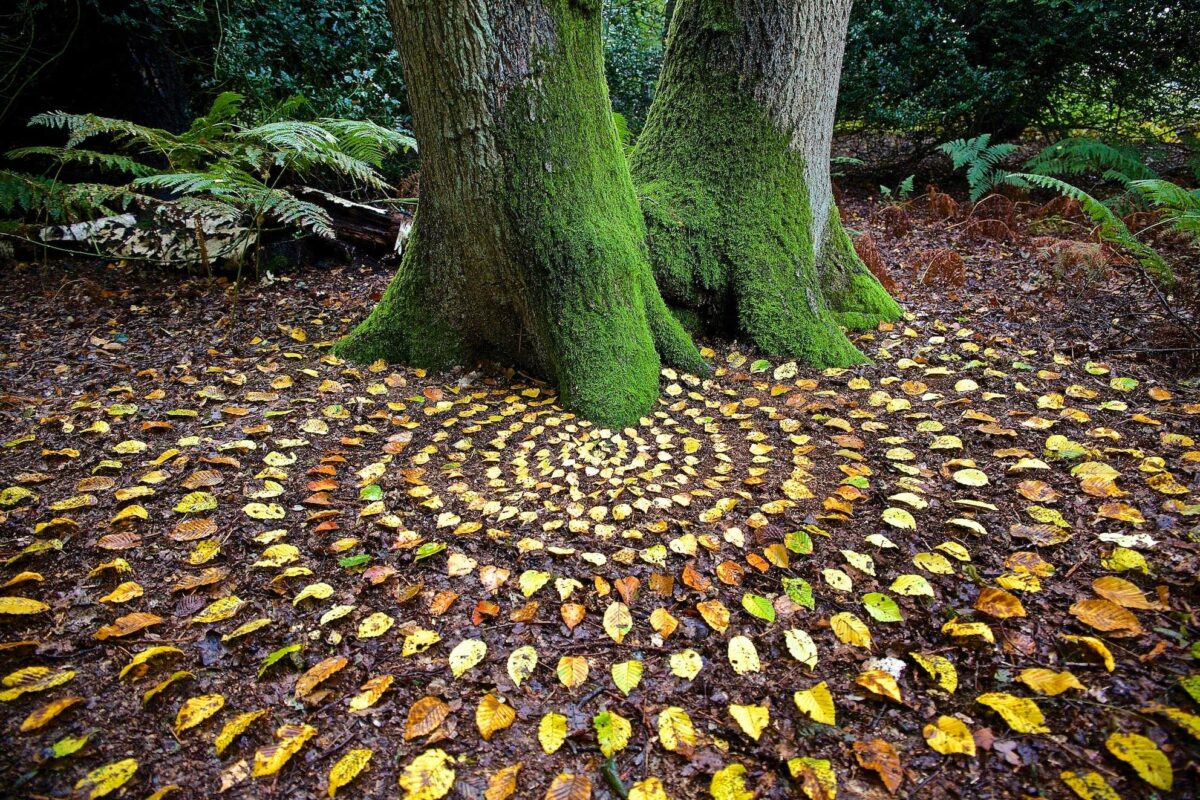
967,570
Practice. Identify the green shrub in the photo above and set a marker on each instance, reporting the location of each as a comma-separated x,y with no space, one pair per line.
633,50
964,67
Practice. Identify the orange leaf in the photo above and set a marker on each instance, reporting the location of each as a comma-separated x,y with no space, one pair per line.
878,755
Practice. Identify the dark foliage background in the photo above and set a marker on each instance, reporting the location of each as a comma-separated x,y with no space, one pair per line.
937,69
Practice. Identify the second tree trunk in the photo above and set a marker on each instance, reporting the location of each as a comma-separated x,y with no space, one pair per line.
733,171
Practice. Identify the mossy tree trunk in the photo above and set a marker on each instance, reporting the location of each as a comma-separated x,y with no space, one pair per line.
733,172
528,247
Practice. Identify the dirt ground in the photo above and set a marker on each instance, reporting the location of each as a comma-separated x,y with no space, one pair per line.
1012,485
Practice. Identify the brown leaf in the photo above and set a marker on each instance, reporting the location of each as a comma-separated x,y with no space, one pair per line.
425,716
568,786
881,757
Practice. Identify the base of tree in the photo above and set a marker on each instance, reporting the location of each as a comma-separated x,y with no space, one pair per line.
731,240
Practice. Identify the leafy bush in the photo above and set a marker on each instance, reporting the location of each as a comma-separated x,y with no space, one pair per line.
633,50
219,166
964,67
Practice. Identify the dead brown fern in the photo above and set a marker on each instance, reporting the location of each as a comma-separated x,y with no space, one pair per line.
868,251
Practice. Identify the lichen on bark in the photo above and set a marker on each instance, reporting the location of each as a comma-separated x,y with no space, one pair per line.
530,247
742,229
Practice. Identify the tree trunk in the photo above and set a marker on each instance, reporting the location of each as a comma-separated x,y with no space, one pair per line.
528,245
733,170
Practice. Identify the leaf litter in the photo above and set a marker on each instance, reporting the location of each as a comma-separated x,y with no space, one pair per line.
970,564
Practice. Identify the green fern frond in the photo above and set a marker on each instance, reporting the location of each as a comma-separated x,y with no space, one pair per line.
981,158
115,162
1179,207
1080,154
1109,226
367,141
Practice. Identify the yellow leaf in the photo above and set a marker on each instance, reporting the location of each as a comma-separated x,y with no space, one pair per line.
729,783
347,768
743,656
552,732
1049,682
197,709
1021,713
493,715
1144,756
817,703
899,518
965,629
627,675
145,655
940,668
316,591
219,610
375,625
648,789
124,593
618,622
39,717
503,783
949,735
532,580
319,673
235,728
715,614
1096,646
998,603
419,641
195,502
1089,785
751,719
521,664
128,624
429,776
107,779
1106,616
801,646
612,732
686,664
370,692
1122,559
676,731
817,778
850,630
21,605
572,671
270,759
881,682
1121,592
466,654
912,586
970,477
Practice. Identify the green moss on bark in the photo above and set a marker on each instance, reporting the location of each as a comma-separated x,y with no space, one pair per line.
729,225
726,203
858,300
406,324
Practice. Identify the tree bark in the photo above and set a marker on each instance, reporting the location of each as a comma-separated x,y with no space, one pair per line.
733,171
528,245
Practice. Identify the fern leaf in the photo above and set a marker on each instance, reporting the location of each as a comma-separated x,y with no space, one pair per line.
1109,225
